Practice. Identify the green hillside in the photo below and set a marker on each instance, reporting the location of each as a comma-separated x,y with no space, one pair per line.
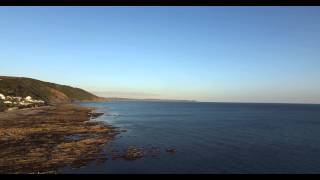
49,92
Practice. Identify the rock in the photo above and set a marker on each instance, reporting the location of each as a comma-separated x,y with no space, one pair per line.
171,150
133,153
96,115
101,160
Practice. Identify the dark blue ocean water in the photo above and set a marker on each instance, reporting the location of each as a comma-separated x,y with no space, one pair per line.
214,137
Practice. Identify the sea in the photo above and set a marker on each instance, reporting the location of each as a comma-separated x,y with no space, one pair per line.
217,138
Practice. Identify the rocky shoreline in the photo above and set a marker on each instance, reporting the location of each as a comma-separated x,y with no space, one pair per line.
44,139
48,138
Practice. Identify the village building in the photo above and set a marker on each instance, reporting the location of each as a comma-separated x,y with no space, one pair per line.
20,101
2,97
28,98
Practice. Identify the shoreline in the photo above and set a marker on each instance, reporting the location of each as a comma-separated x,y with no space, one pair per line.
45,139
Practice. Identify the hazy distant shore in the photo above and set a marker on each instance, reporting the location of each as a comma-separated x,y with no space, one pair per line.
44,139
155,100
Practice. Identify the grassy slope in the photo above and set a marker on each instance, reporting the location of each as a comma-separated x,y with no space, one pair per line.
19,86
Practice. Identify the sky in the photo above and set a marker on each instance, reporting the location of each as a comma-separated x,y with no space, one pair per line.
219,54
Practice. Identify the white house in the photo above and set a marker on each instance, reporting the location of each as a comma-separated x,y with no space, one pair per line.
7,102
38,101
28,98
2,97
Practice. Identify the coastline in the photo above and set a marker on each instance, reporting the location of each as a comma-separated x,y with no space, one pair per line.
44,139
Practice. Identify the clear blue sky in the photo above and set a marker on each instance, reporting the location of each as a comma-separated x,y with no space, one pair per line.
240,54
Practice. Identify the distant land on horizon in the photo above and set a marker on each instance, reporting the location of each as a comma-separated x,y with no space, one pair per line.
148,99
196,101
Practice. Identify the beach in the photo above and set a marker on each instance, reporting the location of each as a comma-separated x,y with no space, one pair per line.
44,139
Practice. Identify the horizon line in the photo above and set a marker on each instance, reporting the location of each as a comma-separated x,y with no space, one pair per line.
197,101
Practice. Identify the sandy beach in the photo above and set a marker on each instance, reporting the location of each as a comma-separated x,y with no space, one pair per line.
44,139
